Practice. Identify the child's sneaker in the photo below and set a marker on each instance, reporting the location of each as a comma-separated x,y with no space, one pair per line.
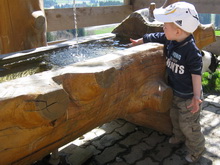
174,140
193,158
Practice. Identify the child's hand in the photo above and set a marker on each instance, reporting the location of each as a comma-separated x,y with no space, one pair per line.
135,42
195,104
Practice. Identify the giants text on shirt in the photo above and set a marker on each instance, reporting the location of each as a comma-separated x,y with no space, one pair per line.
172,63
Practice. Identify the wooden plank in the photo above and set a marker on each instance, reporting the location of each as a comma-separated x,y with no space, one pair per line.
62,19
140,4
202,6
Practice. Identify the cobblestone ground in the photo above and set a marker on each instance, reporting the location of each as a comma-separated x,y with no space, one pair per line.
122,143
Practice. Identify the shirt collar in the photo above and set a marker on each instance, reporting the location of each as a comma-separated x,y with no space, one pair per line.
190,38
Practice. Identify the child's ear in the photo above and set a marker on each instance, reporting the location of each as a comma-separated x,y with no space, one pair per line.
178,31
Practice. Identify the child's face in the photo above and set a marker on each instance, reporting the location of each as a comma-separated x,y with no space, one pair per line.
170,30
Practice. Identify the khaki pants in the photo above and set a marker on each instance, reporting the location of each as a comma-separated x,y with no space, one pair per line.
186,125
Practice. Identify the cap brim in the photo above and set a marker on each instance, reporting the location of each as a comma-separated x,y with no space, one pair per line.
160,15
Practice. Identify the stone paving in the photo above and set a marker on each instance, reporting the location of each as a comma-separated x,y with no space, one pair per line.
122,143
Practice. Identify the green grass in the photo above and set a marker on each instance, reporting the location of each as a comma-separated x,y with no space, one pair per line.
99,31
64,1
104,30
217,32
211,82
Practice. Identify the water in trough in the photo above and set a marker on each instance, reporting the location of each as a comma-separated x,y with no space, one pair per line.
59,58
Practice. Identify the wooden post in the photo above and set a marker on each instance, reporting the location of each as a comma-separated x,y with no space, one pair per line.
24,25
127,2
151,14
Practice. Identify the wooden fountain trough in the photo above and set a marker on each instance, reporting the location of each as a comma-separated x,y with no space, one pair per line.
45,111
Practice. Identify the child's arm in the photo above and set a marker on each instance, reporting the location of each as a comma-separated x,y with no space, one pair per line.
158,37
197,84
136,42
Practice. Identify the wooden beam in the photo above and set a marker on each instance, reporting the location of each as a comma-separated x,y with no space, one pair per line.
62,19
202,6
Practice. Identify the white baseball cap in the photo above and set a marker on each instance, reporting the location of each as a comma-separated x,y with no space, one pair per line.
183,14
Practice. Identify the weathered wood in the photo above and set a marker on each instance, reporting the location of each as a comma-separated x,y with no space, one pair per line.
214,47
23,25
62,19
137,24
42,112
202,6
5,33
127,2
140,4
204,35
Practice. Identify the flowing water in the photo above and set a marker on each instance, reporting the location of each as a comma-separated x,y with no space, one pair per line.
76,53
76,28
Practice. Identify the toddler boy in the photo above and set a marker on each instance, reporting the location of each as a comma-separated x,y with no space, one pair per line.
184,66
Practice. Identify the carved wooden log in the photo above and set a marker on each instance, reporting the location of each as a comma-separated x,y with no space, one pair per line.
142,21
45,111
24,25
138,23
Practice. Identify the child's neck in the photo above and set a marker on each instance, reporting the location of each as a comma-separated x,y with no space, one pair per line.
182,37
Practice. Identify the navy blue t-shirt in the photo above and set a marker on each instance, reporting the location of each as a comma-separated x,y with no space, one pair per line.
182,60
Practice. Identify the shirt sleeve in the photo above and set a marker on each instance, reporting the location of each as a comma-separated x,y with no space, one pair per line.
194,62
155,37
